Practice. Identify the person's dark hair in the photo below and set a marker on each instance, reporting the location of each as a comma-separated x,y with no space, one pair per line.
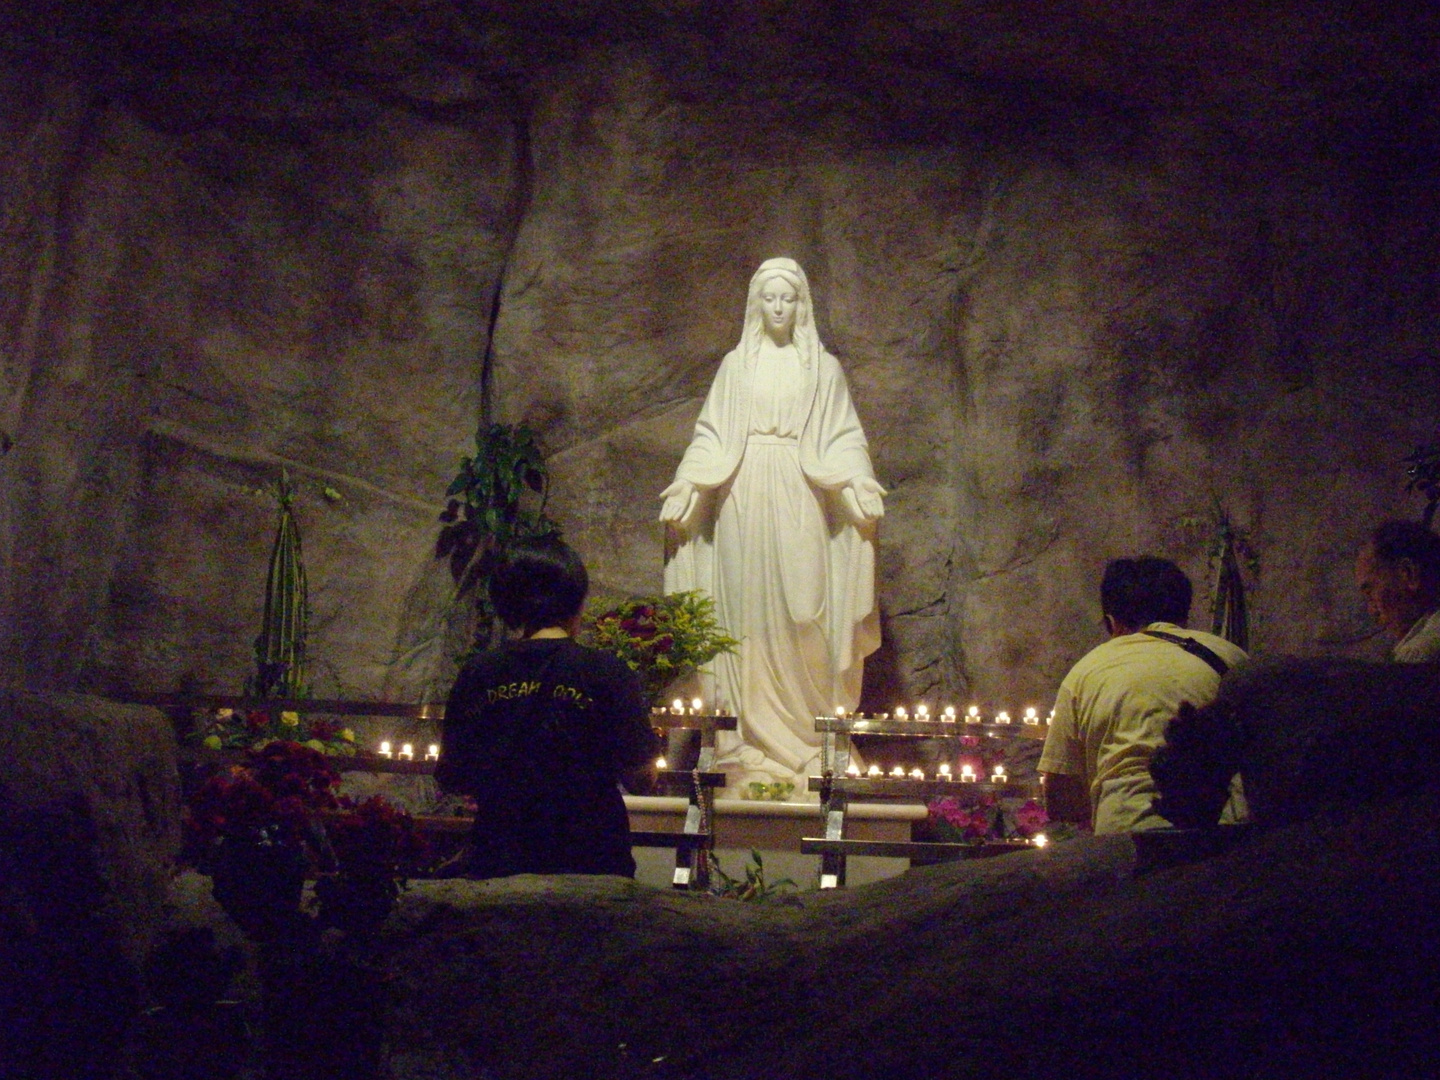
1396,540
540,583
1140,591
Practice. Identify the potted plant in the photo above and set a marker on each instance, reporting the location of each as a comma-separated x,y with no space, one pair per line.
255,828
496,499
661,638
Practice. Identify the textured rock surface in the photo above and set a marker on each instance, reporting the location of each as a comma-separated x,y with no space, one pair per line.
89,829
1089,268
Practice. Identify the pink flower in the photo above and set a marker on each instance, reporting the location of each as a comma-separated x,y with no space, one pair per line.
1030,818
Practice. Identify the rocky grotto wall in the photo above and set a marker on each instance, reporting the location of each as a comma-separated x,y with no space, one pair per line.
1090,268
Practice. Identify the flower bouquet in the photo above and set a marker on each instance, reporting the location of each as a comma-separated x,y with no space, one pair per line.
255,827
661,638
377,847
256,728
981,820
258,827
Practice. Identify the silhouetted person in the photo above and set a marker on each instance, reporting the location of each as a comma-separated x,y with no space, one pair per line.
1112,708
541,731
1398,571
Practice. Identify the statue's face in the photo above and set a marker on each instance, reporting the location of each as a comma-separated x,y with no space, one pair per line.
777,304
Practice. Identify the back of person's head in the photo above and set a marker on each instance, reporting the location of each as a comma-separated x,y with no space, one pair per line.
1140,591
1395,541
540,583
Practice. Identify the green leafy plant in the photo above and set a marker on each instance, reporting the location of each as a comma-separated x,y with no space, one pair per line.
760,791
1231,556
496,500
661,638
752,886
285,625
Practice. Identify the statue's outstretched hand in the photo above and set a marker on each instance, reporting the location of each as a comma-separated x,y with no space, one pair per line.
862,498
680,499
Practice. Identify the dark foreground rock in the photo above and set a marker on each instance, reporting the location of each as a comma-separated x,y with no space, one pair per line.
89,828
1308,949
1307,952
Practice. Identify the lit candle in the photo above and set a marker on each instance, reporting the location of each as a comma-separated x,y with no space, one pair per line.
385,749
972,714
898,772
874,770
998,776
660,763
900,713
677,707
917,774
1039,839
696,705
1031,716
967,774
945,772
1051,718
407,751
433,754
922,712
852,769
948,716
1002,718
839,712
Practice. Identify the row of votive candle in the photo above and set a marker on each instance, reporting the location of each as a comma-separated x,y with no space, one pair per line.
678,708
407,752
948,715
967,773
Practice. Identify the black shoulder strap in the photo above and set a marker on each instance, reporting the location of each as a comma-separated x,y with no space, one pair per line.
1194,648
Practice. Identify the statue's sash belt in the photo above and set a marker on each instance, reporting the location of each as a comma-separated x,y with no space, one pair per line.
771,440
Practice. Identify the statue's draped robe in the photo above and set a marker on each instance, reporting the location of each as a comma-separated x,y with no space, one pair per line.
792,574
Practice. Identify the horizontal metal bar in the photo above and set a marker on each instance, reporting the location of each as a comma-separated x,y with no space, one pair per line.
930,729
645,838
917,789
909,849
327,706
669,721
681,778
361,761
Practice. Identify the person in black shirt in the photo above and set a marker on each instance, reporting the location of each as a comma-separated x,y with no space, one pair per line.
541,731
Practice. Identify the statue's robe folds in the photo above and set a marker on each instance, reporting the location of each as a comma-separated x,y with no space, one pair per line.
791,571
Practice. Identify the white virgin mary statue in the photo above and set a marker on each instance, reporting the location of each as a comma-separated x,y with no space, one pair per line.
775,508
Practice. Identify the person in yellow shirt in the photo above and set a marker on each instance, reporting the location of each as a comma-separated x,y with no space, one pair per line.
1112,707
